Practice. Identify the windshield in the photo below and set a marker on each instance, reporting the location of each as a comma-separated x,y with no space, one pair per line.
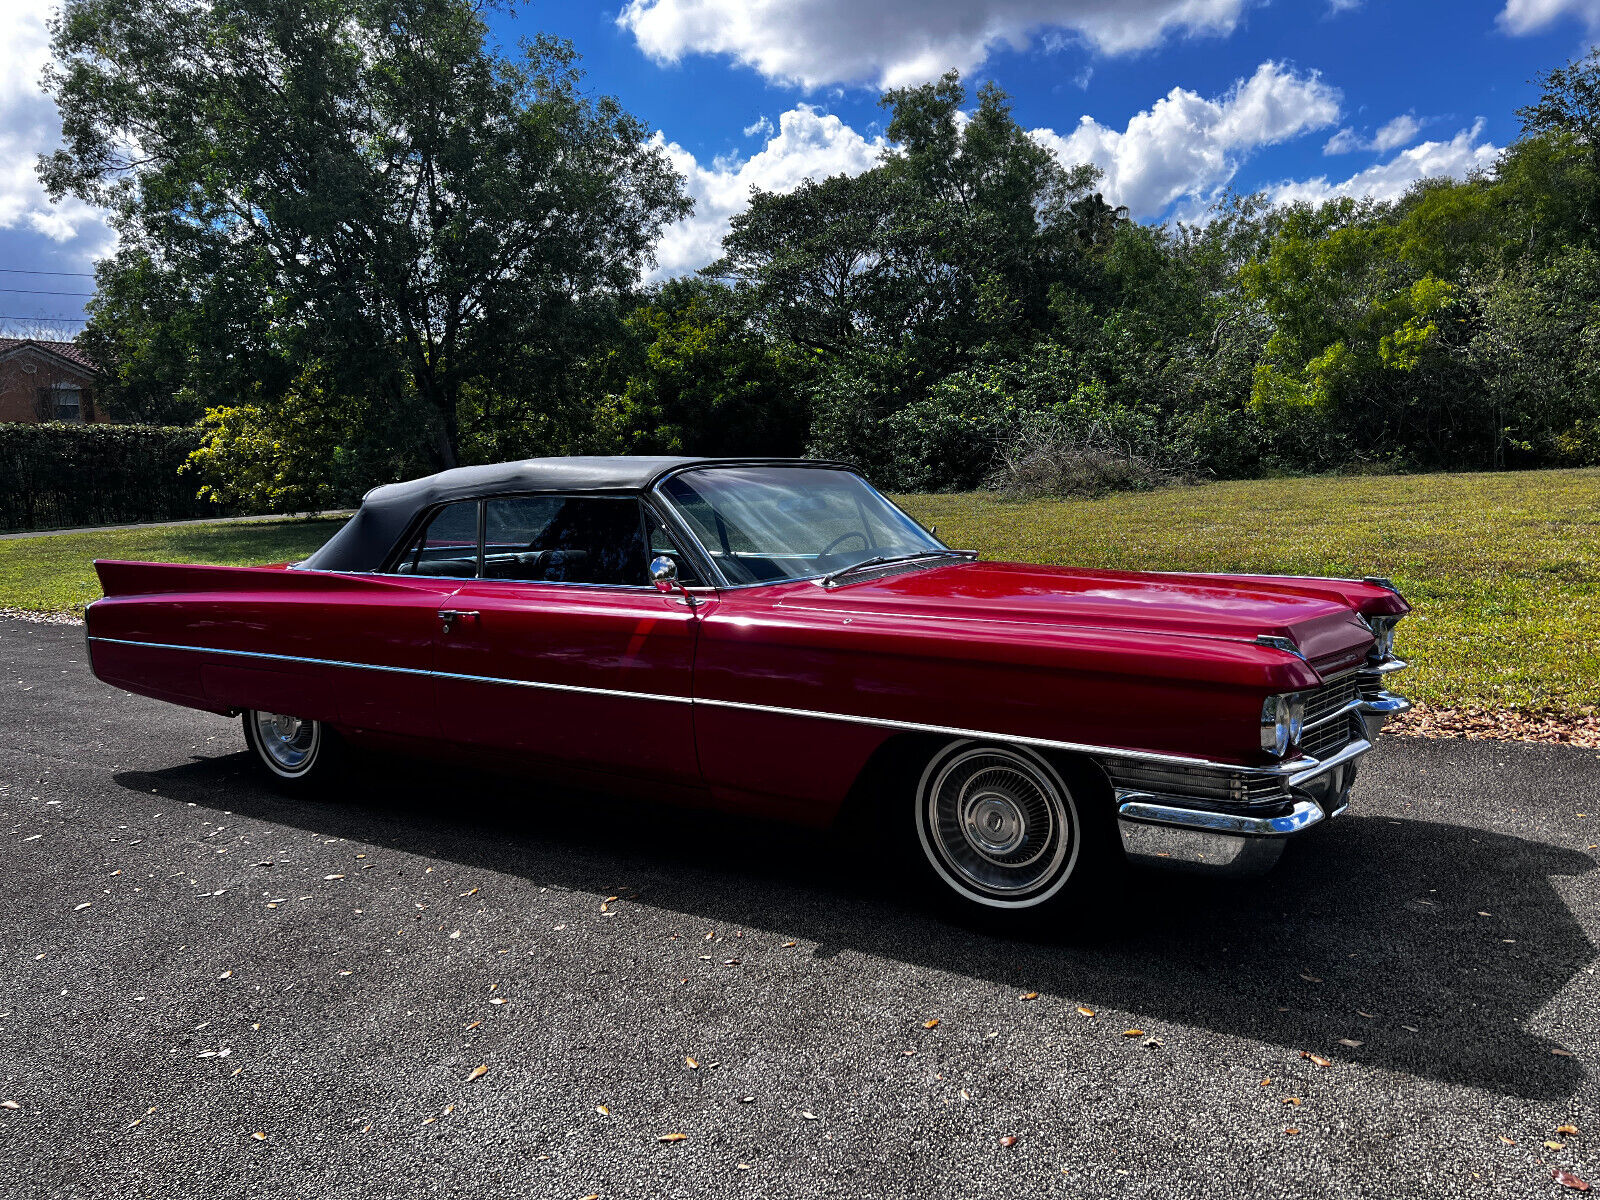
761,524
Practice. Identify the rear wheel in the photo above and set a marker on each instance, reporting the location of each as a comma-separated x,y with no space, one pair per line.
1001,829
292,749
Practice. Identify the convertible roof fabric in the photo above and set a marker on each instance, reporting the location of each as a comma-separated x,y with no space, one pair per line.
368,537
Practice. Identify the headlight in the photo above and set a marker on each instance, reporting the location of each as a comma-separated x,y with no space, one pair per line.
1283,720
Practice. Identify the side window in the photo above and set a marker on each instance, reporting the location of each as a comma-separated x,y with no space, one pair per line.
447,546
661,542
566,539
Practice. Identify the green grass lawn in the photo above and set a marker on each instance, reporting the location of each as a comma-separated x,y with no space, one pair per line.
56,574
1502,569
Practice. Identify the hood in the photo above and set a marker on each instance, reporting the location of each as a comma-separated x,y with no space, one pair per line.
1312,613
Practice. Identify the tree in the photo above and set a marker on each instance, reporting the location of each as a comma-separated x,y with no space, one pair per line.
359,184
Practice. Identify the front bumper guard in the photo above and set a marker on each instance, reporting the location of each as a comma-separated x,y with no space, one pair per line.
1164,831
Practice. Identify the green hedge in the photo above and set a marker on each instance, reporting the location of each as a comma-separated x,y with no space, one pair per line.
58,475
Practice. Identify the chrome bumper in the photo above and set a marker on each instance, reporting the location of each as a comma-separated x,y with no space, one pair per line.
1191,834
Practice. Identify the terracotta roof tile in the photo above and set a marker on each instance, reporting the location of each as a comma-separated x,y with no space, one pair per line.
68,350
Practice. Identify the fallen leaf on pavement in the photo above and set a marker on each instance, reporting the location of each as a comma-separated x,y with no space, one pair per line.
1155,1041
226,975
1266,1082
692,1065
1310,978
931,1023
1008,1140
1568,1180
9,1104
1561,1053
1291,1131
1508,1141
1554,1146
1085,1012
1569,1130
810,1116
1316,1058
1028,996
1367,1015
673,1137
1133,1033
1351,1042
602,1110
83,906
260,1137
786,945
478,1073
1294,1100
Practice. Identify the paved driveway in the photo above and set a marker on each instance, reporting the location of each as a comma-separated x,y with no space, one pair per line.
192,960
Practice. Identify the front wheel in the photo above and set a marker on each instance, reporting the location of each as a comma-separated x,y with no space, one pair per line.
293,749
1000,828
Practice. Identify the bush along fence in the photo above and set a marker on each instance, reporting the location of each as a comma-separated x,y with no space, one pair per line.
61,475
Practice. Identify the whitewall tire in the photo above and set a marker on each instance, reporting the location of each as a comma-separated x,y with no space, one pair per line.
997,826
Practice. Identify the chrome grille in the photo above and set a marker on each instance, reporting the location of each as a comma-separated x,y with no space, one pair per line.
1331,697
1329,738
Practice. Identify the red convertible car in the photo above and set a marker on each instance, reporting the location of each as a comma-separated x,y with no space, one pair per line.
776,637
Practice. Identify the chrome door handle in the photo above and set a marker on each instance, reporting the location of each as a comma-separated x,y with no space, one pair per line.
449,618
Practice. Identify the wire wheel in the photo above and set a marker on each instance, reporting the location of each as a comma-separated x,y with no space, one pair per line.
997,825
287,746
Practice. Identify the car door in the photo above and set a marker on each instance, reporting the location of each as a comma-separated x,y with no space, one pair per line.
563,650
388,624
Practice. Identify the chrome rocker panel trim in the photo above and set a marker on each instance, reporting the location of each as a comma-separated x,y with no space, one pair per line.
1303,767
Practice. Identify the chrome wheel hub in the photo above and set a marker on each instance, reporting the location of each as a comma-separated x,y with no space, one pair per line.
287,742
997,826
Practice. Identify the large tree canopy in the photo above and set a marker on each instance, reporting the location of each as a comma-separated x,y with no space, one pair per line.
363,185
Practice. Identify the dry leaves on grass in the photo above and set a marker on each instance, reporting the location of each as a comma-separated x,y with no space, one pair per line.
1480,724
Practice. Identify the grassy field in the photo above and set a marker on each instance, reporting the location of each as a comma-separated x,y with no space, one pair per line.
56,573
1503,569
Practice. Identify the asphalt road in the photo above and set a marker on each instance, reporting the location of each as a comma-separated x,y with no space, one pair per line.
193,960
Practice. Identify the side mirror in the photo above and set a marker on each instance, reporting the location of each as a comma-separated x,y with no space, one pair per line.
664,573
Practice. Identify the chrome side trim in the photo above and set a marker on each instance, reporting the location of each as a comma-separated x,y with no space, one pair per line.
330,662
1304,767
1153,810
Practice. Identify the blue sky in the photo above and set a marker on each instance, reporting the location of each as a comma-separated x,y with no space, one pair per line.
1174,99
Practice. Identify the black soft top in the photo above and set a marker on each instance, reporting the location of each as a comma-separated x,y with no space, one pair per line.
386,512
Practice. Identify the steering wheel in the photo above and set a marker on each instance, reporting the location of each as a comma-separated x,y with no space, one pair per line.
843,537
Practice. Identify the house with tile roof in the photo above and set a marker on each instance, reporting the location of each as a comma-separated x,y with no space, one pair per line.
46,380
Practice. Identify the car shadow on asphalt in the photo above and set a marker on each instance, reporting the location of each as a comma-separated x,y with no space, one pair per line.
1418,947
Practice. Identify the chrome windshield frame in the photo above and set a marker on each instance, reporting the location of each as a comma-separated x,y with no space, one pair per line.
664,504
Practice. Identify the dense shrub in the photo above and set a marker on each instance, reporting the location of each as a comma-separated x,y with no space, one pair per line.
1049,456
57,475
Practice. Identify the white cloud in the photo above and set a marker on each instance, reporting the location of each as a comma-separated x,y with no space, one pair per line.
893,42
29,127
761,125
1531,16
1389,180
1401,131
809,144
1187,146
